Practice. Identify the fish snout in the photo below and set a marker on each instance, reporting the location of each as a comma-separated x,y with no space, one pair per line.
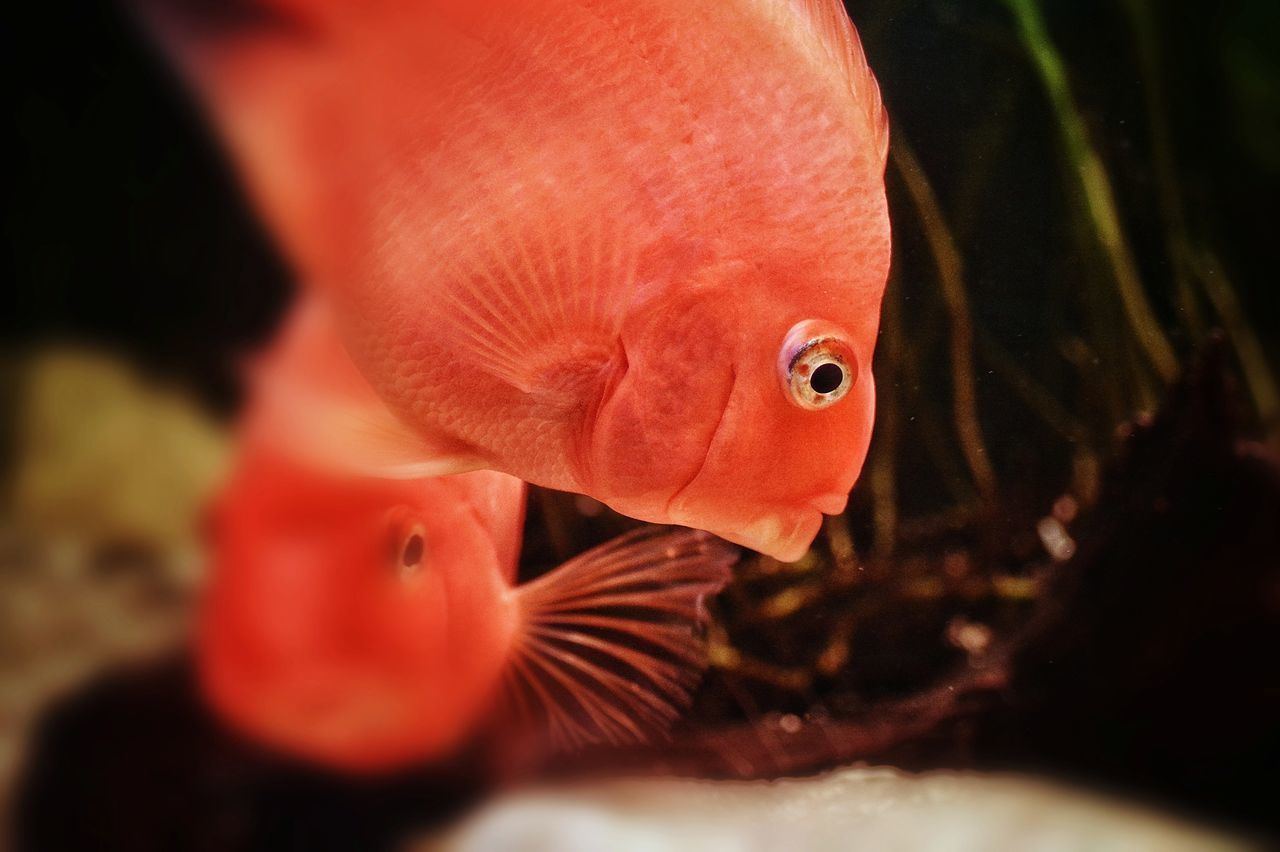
785,536
830,504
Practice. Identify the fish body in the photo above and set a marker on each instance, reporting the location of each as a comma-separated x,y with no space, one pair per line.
367,623
607,247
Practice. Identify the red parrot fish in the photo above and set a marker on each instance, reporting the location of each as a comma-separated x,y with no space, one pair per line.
634,249
367,624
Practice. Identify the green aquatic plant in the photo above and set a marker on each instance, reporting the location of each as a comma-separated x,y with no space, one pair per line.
1096,189
947,257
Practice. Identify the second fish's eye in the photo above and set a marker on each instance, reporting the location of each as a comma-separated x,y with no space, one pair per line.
414,547
817,366
411,554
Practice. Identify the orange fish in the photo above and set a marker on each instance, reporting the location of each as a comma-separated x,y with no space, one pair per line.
370,623
629,248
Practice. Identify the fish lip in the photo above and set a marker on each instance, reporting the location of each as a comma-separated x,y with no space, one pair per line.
830,504
783,535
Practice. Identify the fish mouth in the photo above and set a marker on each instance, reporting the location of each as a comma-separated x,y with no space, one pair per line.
787,535
782,535
830,504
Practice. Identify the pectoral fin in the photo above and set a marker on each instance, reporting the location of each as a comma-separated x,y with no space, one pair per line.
609,647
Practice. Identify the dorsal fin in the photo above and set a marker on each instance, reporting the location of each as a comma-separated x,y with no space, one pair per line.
609,648
830,24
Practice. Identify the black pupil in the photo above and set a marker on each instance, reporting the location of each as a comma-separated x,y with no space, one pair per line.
412,550
826,378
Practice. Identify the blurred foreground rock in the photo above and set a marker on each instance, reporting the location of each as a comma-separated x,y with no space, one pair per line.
99,551
102,455
851,809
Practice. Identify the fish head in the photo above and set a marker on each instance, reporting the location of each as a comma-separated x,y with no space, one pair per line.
745,407
353,621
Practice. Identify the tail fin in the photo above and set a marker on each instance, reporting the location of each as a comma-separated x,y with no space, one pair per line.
610,648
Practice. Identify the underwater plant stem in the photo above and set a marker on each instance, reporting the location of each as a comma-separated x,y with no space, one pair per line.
1036,396
934,442
1141,20
1096,187
882,470
1253,361
795,679
840,541
951,278
983,148
1140,379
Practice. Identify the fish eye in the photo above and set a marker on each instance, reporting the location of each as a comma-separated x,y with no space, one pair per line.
411,553
826,378
817,365
414,547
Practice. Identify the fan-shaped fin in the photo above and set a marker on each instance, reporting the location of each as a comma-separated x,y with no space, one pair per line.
609,648
529,295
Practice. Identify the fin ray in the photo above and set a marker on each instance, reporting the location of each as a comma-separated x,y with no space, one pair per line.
650,706
668,637
524,297
609,649
607,717
665,675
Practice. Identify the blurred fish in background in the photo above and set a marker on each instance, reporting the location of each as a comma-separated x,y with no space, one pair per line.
1062,558
370,623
